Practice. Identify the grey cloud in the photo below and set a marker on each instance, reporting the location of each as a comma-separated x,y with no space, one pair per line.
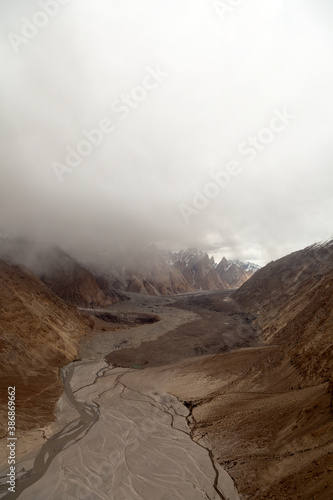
225,79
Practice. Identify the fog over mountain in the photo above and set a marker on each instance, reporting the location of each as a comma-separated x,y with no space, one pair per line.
184,123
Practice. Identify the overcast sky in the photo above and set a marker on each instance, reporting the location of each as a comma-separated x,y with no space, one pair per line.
214,123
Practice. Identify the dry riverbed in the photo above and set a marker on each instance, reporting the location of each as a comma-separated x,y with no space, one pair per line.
115,439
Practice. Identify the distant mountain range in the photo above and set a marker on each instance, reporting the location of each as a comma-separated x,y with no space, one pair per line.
155,272
203,273
99,283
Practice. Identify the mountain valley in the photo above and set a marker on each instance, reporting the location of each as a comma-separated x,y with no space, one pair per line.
245,372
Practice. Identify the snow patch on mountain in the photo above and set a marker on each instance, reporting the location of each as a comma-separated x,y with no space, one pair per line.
247,266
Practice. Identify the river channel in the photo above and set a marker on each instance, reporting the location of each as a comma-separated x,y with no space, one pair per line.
122,442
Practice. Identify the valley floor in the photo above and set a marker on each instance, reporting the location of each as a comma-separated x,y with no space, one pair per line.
272,432
202,365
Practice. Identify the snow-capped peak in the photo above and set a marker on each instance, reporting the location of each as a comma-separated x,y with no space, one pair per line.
247,266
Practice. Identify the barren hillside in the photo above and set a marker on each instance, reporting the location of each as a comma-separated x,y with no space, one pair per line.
39,332
292,299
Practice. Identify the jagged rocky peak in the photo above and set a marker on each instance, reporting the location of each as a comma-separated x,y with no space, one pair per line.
222,265
247,266
187,256
198,269
203,273
235,272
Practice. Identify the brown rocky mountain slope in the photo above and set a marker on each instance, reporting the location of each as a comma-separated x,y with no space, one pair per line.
292,299
38,333
69,279
75,284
